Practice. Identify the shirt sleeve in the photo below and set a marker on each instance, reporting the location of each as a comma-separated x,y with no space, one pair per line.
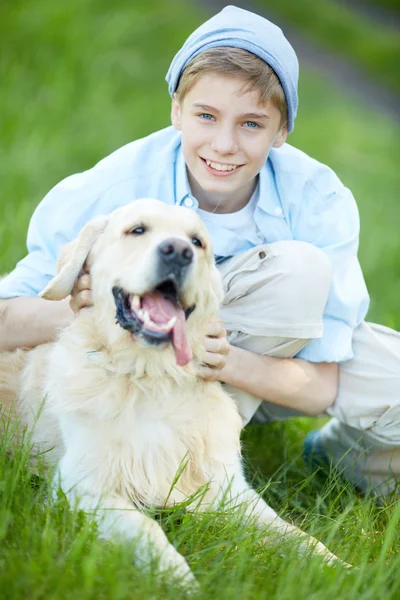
56,221
329,219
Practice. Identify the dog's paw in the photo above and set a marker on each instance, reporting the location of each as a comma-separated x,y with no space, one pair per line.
168,564
175,565
335,561
330,559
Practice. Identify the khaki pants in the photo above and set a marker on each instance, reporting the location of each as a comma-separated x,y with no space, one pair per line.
274,301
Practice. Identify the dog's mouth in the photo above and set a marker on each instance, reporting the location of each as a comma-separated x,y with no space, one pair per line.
158,317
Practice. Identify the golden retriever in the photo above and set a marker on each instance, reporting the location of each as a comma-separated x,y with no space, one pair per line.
117,401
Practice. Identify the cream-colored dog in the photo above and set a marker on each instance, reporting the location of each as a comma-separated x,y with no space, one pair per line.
117,400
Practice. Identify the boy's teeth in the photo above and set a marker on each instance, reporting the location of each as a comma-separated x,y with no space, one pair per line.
219,167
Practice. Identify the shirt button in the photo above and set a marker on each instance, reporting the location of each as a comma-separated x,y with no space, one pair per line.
188,202
278,211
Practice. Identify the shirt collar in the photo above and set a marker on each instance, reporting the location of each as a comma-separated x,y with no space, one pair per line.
183,195
269,200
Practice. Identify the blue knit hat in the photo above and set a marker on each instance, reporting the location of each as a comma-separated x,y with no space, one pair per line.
238,28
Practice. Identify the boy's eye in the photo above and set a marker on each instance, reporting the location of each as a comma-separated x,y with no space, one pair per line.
206,116
252,124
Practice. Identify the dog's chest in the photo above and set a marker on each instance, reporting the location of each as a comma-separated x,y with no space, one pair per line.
153,452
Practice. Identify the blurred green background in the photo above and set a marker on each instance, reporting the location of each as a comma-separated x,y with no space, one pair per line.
81,78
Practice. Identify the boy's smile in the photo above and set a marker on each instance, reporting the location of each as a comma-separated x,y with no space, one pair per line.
220,169
226,138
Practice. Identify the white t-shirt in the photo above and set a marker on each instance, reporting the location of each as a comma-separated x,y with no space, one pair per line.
240,227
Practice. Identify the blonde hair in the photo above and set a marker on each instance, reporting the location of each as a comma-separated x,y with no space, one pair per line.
255,73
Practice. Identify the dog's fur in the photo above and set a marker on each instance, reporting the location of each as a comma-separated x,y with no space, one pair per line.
119,418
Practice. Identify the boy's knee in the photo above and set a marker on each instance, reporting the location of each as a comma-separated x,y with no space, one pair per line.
305,265
279,290
306,274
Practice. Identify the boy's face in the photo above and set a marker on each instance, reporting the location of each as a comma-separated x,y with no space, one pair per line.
226,139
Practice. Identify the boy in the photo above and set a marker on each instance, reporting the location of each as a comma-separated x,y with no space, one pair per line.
285,235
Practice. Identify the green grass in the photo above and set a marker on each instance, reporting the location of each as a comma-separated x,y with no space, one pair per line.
337,27
79,79
50,551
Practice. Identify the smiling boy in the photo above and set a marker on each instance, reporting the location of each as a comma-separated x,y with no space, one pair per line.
285,235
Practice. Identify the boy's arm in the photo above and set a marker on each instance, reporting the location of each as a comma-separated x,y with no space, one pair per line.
28,321
292,382
329,219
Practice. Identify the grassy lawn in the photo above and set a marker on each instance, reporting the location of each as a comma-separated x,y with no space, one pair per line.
80,79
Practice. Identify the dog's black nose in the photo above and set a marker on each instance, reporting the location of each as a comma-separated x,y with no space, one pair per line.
175,251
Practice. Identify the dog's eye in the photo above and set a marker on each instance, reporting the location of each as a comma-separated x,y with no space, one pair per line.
139,230
197,242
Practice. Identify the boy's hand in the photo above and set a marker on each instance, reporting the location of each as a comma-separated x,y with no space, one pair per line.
81,295
215,352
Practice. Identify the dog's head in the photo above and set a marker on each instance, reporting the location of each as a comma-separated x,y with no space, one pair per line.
153,275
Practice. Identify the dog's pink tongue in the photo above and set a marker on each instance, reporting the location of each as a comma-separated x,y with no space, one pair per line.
161,310
183,353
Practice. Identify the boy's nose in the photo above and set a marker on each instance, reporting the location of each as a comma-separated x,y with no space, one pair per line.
225,141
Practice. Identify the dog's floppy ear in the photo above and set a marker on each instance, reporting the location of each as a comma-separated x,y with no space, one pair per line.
71,260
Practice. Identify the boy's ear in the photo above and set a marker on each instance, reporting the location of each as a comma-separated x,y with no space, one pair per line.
281,136
176,113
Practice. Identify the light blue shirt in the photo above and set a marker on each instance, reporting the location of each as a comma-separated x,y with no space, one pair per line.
299,199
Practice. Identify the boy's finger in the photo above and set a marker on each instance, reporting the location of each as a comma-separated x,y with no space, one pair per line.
216,329
209,374
82,300
215,361
83,283
85,267
216,344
